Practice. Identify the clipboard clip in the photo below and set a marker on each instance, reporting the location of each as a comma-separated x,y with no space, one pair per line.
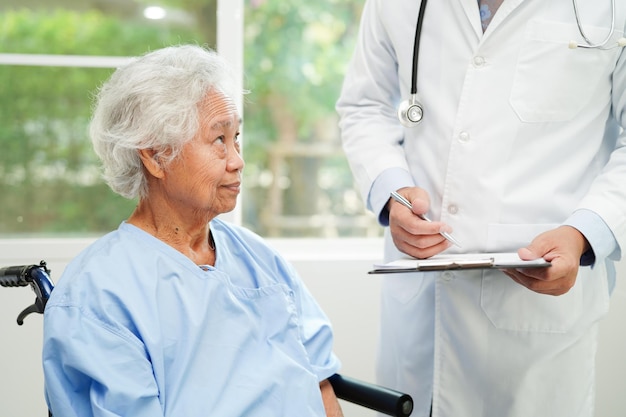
455,264
425,265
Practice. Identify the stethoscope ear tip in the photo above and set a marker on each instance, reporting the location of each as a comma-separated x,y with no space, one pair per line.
621,42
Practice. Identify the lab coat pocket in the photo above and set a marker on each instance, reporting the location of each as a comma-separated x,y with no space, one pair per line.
552,82
509,305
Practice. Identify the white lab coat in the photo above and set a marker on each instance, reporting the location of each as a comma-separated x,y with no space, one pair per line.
519,132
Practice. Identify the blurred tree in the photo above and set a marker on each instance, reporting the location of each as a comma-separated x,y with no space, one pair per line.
295,55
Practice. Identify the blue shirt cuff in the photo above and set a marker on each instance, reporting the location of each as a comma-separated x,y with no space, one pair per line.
391,179
601,240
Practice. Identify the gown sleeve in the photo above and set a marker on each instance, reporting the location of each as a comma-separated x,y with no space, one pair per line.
77,385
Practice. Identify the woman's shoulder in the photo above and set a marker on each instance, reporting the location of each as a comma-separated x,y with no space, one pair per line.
102,262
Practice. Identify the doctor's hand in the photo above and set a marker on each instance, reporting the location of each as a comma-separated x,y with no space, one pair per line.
563,247
411,234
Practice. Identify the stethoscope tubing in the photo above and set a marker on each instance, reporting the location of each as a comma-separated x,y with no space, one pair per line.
416,45
413,102
590,44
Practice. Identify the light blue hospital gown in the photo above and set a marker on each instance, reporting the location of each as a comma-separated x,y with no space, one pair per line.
135,328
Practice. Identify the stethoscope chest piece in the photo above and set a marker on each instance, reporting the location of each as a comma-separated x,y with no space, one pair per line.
410,112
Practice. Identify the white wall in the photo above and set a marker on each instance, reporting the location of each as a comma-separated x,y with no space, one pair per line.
335,272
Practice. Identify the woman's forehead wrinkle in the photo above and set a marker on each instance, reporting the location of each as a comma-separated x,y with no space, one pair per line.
225,124
222,111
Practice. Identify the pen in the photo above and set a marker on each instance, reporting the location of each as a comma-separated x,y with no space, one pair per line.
408,205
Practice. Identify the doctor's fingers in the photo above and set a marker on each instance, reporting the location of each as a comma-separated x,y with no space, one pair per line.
563,268
400,216
418,246
554,287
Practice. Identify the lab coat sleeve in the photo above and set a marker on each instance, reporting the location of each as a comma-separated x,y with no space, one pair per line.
597,233
77,383
607,196
390,180
371,133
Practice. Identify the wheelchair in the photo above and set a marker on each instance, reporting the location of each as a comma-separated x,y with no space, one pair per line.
372,396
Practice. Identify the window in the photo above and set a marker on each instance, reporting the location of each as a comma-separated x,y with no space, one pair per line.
54,54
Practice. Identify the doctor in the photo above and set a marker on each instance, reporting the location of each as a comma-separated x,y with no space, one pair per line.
520,147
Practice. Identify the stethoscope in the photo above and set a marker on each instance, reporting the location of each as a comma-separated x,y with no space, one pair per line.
411,111
621,42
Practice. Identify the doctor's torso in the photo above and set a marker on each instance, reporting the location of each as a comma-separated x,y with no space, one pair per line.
513,118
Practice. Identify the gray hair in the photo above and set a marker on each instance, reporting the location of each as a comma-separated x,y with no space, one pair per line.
152,103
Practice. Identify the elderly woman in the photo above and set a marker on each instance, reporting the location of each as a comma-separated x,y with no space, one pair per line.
177,313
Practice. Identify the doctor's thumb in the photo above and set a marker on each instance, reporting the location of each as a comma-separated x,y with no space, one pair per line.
528,253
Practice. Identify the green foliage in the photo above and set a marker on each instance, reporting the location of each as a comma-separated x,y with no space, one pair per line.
84,33
298,50
295,57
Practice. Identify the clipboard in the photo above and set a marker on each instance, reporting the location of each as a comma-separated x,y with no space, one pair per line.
443,262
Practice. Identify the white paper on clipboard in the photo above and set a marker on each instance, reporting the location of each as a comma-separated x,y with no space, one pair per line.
500,260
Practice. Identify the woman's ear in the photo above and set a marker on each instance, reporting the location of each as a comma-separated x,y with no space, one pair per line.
152,162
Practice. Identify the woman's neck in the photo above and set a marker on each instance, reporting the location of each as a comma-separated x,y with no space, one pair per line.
190,235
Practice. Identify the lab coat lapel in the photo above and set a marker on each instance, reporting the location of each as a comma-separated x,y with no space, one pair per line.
473,16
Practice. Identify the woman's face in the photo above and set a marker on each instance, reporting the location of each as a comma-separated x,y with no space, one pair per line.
206,177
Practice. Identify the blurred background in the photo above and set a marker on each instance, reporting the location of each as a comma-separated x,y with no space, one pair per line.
55,53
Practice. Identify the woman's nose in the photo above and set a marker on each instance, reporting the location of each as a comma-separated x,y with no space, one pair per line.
235,160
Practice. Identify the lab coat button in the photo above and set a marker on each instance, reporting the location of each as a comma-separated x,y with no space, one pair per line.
479,61
464,137
453,209
447,276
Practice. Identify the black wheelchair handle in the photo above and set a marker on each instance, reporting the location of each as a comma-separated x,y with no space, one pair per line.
15,276
372,396
37,276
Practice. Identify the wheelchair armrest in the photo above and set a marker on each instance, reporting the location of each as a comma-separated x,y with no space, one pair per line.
372,396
